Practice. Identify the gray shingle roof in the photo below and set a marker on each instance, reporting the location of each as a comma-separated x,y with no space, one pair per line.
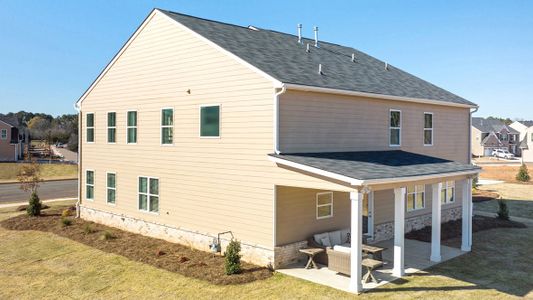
490,125
282,57
370,165
526,123
12,121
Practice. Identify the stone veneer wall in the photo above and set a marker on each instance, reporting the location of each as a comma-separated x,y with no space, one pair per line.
250,253
385,231
288,254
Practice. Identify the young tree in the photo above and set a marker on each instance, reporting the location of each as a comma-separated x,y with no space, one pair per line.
233,258
29,177
523,174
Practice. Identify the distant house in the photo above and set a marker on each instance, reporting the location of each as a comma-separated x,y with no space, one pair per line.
11,142
525,147
491,134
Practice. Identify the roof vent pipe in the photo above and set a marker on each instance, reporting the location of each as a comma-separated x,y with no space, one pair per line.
315,29
320,69
299,33
353,57
386,66
307,49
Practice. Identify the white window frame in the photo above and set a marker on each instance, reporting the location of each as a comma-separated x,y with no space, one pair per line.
108,188
111,127
407,193
148,195
200,120
429,129
322,205
90,127
445,187
399,128
161,126
87,184
136,126
3,134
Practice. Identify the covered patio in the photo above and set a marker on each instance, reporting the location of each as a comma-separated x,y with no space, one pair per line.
366,172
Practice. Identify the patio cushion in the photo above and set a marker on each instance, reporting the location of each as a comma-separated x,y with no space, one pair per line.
325,242
335,237
319,236
342,248
344,235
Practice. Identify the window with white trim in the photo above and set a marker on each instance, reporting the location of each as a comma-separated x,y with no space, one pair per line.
395,127
149,194
111,187
4,134
416,197
89,185
428,129
131,127
324,205
447,194
111,127
167,126
89,124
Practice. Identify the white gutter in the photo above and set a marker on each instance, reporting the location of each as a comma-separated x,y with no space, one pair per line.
470,135
77,106
276,118
360,182
372,95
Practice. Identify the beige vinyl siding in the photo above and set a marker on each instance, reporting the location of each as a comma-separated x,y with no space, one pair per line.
7,150
206,185
296,214
477,149
323,122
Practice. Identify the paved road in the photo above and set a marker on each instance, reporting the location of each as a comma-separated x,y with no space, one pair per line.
11,192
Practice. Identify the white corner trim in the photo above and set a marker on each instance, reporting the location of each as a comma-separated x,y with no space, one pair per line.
308,88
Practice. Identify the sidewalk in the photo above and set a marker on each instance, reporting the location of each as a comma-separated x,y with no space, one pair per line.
45,201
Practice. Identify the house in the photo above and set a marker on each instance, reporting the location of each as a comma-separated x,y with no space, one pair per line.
11,142
198,127
525,128
489,134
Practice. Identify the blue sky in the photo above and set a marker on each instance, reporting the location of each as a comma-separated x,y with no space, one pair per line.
51,51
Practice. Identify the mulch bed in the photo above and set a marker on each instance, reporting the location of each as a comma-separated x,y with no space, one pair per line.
483,195
453,229
159,253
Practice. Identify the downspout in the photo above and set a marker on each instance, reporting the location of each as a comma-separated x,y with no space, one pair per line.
282,90
470,134
78,202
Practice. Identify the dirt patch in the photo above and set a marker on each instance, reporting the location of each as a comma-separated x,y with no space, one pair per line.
484,195
159,253
503,173
453,229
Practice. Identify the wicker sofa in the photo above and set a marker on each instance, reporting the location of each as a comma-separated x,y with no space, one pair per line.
337,261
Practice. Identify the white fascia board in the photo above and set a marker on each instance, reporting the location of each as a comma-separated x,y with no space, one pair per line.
7,124
419,178
372,95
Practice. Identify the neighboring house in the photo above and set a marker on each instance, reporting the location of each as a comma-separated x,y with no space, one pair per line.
526,139
11,142
197,127
491,134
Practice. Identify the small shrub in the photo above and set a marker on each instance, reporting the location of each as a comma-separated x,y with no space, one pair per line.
66,213
106,235
523,174
88,229
34,207
475,182
233,258
503,211
66,222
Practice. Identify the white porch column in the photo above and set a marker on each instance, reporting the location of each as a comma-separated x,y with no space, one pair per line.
466,244
399,223
356,240
435,221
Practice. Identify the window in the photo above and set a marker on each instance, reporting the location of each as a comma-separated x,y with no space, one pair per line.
111,187
324,205
428,129
149,194
416,197
210,121
395,128
447,194
504,137
111,127
132,127
90,128
89,185
167,126
4,134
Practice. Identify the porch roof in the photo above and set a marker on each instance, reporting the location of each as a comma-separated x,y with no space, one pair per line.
369,167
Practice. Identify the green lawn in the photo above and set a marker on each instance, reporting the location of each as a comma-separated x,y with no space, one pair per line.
43,265
9,171
519,199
